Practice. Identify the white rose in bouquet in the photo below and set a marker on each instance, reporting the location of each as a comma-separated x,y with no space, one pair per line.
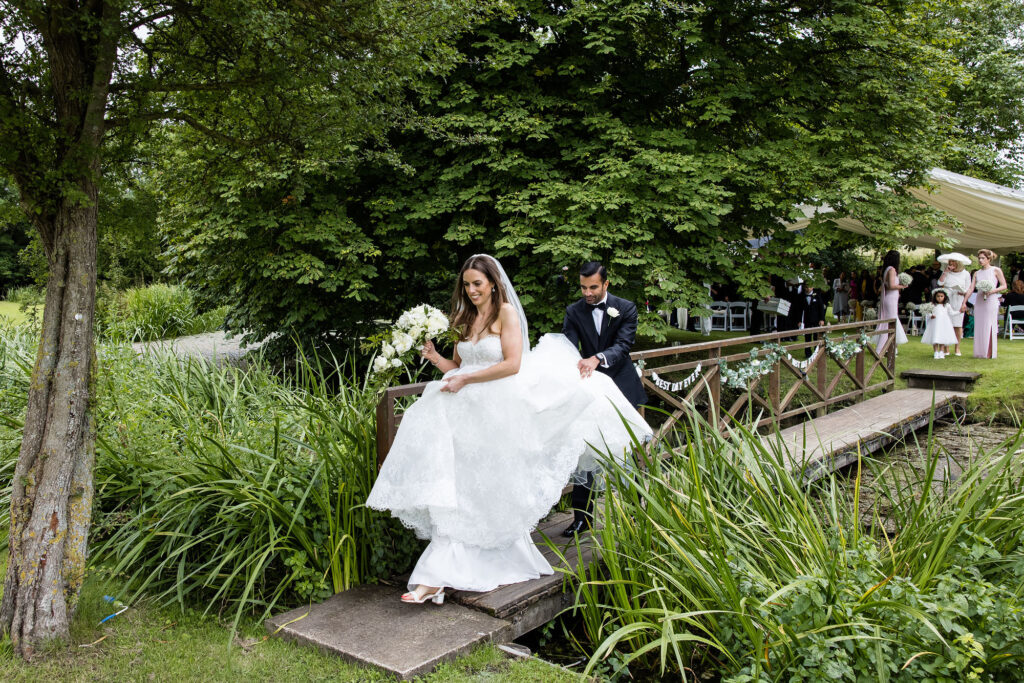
402,341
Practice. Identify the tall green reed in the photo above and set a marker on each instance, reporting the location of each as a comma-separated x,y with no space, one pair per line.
720,558
237,489
240,489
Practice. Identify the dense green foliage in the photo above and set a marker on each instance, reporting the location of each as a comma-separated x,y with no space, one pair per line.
155,312
658,137
722,559
231,488
15,233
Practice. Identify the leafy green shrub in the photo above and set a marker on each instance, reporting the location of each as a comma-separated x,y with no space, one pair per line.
719,558
154,312
25,296
231,488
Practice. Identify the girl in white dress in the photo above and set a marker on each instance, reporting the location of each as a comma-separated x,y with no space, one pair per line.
939,325
484,454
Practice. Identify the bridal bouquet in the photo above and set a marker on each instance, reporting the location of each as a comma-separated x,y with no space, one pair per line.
400,344
905,278
984,286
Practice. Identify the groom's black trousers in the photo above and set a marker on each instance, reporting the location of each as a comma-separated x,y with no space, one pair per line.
583,500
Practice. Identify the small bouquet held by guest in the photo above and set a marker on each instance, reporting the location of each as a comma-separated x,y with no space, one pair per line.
905,279
984,286
401,344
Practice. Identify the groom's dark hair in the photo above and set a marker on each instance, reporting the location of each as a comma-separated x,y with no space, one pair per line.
591,267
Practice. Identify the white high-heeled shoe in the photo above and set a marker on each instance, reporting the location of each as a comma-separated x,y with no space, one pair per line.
437,597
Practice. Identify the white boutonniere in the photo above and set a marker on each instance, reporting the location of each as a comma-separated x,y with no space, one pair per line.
613,312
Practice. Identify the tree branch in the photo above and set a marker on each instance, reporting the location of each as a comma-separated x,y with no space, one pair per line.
181,87
152,17
181,117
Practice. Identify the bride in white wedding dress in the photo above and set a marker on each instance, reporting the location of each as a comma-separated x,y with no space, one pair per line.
484,454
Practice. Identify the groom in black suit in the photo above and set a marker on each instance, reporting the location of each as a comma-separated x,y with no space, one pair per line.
604,328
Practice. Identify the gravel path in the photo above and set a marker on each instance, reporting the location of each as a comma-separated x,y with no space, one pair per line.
213,346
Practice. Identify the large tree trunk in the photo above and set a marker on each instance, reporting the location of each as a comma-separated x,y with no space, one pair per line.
51,500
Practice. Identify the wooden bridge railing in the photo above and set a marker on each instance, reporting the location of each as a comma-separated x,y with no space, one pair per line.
778,405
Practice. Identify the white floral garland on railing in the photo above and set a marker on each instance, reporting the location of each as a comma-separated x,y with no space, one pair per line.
740,376
846,348
761,362
676,386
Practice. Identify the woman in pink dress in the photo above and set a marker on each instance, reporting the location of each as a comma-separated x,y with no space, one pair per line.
986,305
889,300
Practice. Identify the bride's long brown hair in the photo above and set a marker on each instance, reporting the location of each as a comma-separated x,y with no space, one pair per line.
464,313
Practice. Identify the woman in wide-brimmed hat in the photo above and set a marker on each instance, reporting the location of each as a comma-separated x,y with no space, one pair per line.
956,281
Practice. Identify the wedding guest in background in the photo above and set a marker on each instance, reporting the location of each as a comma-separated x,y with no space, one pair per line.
918,288
934,273
955,280
855,310
989,283
1015,297
841,296
938,328
890,298
809,311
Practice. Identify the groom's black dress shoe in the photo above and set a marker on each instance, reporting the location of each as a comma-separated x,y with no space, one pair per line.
578,526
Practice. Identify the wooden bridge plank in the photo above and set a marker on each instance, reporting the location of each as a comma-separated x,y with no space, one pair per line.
824,444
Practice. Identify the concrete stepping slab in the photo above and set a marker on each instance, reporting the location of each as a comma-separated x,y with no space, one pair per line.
370,625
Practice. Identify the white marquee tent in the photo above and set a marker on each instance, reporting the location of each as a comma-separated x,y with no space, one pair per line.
992,215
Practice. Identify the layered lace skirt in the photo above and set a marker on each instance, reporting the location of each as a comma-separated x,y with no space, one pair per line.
475,471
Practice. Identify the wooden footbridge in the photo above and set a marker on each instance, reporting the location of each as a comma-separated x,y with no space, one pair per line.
841,400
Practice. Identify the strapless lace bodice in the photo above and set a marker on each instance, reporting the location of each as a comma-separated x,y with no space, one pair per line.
486,351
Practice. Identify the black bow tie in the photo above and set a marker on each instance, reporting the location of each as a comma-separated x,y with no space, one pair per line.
601,306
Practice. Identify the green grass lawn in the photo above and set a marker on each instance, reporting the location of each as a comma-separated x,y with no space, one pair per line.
163,644
11,310
999,392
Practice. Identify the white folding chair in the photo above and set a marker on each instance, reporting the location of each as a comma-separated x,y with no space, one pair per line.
915,323
738,315
719,316
1014,322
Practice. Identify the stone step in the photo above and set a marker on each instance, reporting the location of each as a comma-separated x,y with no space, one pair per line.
369,625
945,380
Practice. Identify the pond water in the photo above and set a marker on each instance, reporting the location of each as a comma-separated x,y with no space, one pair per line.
904,467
